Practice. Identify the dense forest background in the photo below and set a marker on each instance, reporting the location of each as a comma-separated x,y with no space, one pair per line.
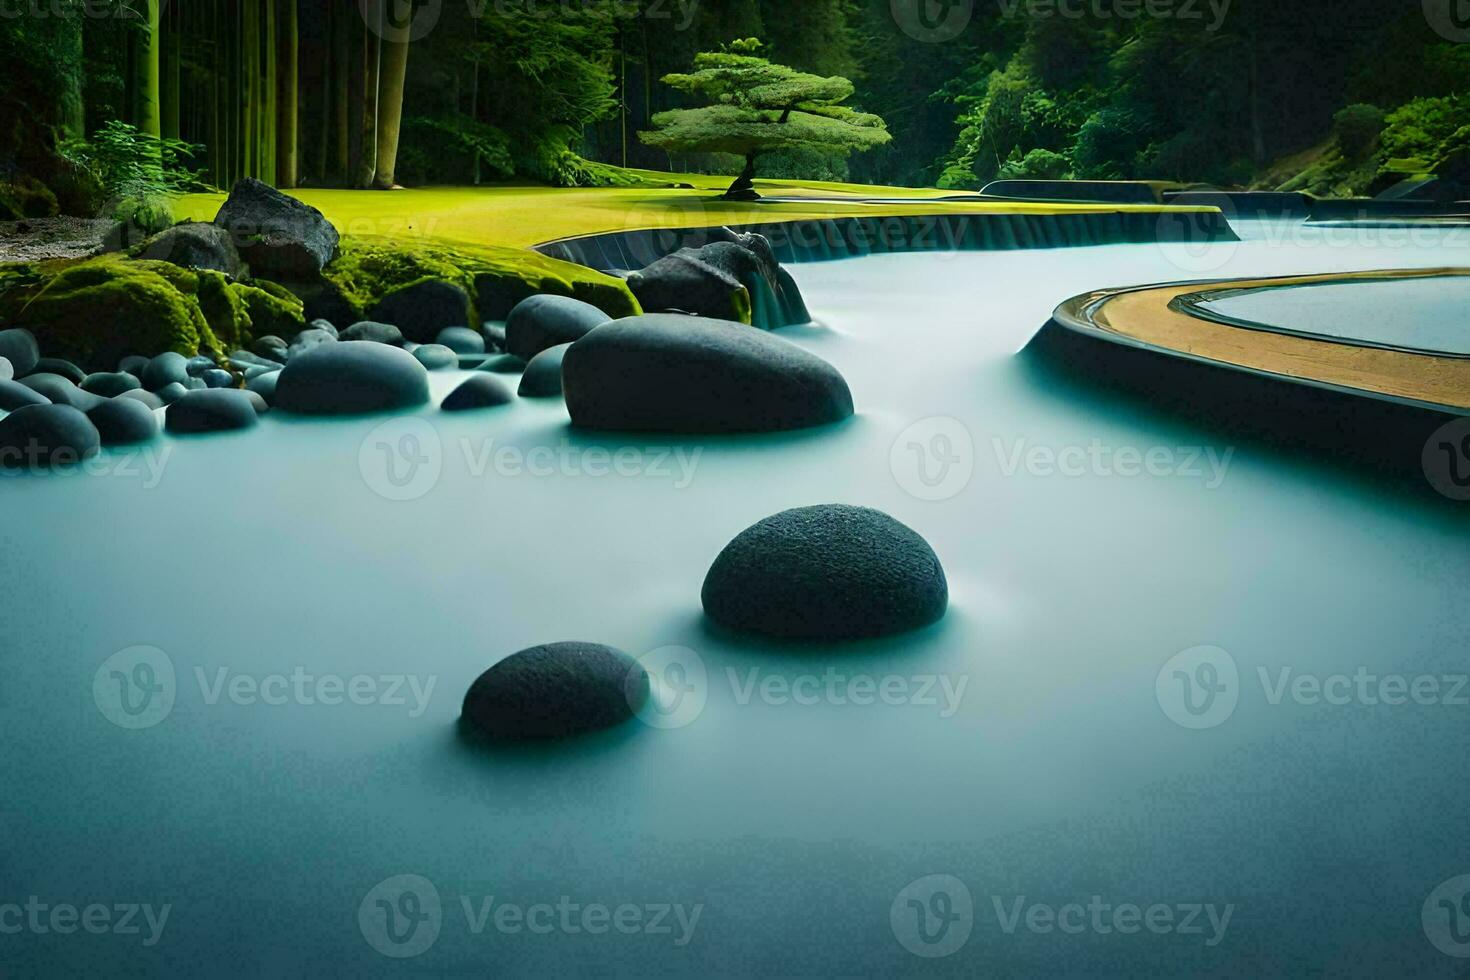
1330,96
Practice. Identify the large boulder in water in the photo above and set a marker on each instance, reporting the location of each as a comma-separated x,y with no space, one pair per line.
422,309
195,245
547,321
707,281
120,421
556,690
45,436
278,235
832,572
671,373
211,410
351,377
18,346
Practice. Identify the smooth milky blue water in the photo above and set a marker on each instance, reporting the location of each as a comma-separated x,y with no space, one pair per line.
1057,776
1431,314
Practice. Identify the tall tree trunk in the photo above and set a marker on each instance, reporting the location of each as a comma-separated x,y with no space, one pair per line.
150,119
475,91
341,98
372,48
288,70
172,27
396,23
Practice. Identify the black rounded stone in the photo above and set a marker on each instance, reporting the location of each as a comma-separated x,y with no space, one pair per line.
542,378
556,690
351,377
546,321
197,365
60,367
307,339
479,391
270,347
503,364
61,391
145,398
110,384
120,421
165,369
45,436
436,357
461,340
171,393
14,395
18,346
217,378
211,410
422,309
832,572
378,333
325,326
264,385
494,334
668,372
133,364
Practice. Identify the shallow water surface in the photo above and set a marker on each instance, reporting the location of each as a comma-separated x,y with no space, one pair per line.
1032,745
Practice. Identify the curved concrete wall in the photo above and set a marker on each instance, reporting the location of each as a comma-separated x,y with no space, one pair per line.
840,238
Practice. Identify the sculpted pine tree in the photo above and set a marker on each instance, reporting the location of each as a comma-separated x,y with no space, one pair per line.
758,106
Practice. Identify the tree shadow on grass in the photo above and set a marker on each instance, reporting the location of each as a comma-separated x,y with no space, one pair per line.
1375,445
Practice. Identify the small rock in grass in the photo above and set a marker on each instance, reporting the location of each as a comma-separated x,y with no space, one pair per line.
556,690
479,391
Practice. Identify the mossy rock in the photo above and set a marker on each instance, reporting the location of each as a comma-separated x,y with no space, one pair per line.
26,197
96,311
495,278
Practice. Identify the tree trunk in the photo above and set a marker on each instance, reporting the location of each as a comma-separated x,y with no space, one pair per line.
288,71
743,189
341,99
390,93
367,162
169,86
150,119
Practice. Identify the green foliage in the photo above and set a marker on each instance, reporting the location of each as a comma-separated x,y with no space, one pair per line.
130,164
1357,127
1430,129
757,106
1039,164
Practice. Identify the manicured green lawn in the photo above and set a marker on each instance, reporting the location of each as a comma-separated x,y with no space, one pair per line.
523,215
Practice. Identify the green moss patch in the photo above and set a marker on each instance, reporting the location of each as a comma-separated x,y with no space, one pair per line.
96,311
495,278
